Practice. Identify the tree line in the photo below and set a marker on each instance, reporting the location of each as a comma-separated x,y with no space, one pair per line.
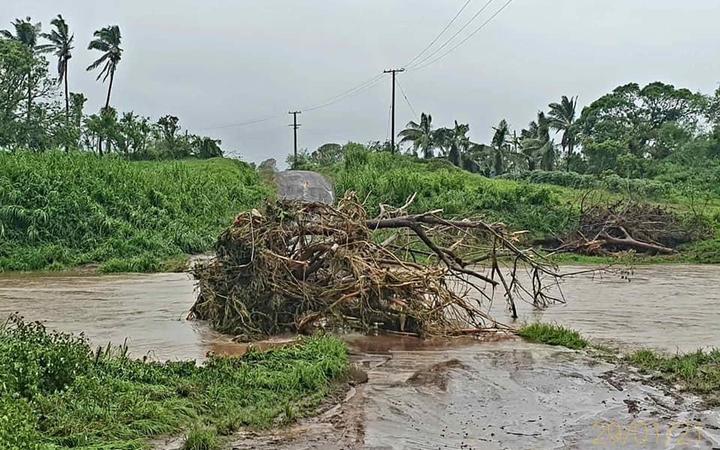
38,112
632,131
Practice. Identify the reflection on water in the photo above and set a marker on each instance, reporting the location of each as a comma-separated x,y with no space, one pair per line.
669,307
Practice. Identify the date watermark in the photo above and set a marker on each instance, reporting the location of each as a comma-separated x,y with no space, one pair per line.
646,433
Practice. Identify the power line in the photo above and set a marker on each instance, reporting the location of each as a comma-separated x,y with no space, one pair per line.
346,94
407,100
438,49
440,34
484,24
242,124
367,84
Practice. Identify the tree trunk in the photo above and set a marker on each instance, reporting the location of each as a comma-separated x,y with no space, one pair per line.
107,102
67,107
571,151
29,108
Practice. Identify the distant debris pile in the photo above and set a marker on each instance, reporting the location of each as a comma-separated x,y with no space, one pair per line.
628,226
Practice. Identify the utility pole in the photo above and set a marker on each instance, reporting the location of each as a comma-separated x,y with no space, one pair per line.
295,126
392,126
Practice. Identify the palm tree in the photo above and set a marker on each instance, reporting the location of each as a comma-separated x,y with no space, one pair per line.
536,144
27,33
454,142
562,119
62,41
421,135
500,144
107,40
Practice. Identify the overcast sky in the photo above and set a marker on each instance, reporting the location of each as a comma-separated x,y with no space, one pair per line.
215,63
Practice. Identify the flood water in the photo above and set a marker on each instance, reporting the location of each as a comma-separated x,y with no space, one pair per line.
500,394
665,307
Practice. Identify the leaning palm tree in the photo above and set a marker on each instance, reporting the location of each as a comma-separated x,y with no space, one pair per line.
420,135
562,118
107,40
26,33
536,145
454,142
501,144
61,40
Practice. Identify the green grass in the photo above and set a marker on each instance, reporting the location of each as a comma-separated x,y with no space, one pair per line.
201,438
384,178
697,372
59,211
553,335
55,392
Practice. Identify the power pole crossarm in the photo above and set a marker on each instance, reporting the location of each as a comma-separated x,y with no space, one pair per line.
394,72
295,126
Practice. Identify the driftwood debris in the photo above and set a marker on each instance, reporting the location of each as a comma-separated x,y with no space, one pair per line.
295,266
628,226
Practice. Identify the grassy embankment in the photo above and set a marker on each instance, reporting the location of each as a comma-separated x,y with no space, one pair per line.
542,209
56,393
697,372
59,211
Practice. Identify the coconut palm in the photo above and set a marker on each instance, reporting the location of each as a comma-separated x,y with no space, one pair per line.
501,144
420,135
26,33
61,40
536,145
107,40
562,118
453,142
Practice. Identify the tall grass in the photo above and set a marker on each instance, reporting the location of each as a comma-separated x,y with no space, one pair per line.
59,210
384,178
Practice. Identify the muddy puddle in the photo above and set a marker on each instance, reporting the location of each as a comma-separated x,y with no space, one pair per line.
497,393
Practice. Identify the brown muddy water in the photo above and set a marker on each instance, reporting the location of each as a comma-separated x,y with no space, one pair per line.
501,393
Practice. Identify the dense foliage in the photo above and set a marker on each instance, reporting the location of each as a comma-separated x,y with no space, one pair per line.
60,210
633,132
38,112
55,392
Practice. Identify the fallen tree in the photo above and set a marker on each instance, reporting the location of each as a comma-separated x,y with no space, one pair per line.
295,266
608,229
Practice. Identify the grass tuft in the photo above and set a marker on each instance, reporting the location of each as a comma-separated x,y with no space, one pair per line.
201,438
553,335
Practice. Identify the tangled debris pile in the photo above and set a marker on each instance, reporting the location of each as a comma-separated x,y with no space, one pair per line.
297,265
623,226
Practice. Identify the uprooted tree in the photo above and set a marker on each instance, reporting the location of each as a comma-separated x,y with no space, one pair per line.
621,226
294,266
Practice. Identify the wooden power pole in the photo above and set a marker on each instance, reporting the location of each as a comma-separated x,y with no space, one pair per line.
295,126
392,121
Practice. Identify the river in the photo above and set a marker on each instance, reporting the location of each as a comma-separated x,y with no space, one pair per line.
500,394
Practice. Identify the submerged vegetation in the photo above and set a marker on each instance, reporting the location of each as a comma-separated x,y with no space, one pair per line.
55,392
59,210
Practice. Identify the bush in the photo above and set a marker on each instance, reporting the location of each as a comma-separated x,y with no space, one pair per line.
57,393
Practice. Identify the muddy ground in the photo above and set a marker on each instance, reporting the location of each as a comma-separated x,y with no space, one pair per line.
503,394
